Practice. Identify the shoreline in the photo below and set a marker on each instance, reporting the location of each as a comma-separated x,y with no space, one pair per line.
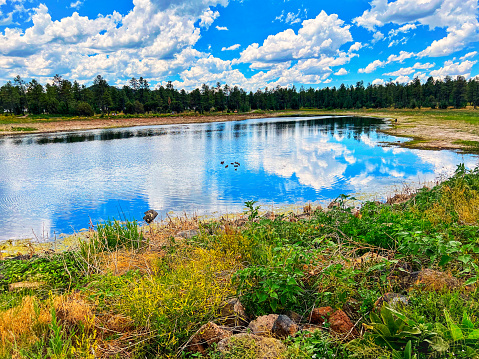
428,129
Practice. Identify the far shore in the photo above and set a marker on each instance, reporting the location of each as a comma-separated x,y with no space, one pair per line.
428,129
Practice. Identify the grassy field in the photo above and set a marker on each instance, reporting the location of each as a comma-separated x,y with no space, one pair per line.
142,292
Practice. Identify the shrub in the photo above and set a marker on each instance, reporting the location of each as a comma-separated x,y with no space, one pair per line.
84,109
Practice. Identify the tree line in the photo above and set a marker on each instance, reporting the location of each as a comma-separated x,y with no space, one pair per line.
63,97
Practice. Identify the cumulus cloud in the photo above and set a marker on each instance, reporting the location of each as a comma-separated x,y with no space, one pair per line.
341,72
324,34
231,48
208,17
454,69
377,36
459,17
373,66
221,28
378,82
155,39
410,70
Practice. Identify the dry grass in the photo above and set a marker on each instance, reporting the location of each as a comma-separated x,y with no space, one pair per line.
20,326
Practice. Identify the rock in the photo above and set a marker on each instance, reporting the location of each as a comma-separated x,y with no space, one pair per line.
269,215
264,348
393,299
233,314
320,315
318,209
207,335
188,234
25,285
295,317
263,326
340,323
150,216
284,327
432,280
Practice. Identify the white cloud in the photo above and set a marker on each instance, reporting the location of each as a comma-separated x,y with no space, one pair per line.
396,42
76,4
459,17
355,47
7,20
341,72
403,29
378,82
372,67
231,48
398,12
453,69
155,39
221,28
410,70
324,34
208,17
403,55
403,79
291,17
377,36
468,55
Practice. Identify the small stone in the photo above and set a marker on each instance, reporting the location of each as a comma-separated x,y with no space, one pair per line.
150,216
263,325
340,323
320,315
264,348
206,336
284,327
188,234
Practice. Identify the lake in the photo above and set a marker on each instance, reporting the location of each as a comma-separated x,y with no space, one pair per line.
57,183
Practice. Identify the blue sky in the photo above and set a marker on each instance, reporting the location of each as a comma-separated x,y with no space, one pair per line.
252,44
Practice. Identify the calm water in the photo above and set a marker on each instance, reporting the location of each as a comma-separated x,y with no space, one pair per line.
52,184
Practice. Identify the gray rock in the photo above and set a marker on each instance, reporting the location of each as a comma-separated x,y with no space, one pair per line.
284,327
263,325
150,216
